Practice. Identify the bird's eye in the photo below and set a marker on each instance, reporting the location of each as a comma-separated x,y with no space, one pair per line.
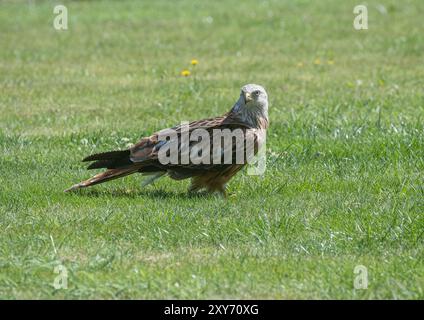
256,93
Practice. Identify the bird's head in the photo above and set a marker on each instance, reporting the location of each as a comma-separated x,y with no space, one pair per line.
253,103
254,96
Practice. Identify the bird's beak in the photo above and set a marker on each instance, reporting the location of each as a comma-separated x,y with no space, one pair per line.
247,97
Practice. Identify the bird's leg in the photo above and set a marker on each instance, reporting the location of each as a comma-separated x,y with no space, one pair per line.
193,188
224,194
223,191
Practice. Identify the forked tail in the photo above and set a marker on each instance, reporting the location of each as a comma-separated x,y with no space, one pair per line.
108,175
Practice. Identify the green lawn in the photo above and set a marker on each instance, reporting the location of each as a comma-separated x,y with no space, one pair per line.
344,184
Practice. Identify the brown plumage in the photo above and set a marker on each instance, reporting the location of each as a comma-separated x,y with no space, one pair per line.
249,115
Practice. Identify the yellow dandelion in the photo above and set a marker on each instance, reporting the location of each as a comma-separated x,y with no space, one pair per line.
194,62
317,61
185,73
300,64
330,62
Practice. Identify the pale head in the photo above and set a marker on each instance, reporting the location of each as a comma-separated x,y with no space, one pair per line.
254,96
252,104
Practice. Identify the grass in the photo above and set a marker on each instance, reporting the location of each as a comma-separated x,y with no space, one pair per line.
344,180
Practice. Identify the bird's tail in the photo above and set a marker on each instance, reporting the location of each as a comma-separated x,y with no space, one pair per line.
109,160
117,163
108,175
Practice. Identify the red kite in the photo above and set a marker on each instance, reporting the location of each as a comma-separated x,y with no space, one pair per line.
203,160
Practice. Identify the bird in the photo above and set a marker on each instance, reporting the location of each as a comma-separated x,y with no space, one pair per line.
151,155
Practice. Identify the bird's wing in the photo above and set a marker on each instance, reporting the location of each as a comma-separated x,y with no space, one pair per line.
235,148
147,149
146,152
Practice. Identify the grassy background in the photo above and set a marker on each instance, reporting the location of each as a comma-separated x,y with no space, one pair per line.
344,181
